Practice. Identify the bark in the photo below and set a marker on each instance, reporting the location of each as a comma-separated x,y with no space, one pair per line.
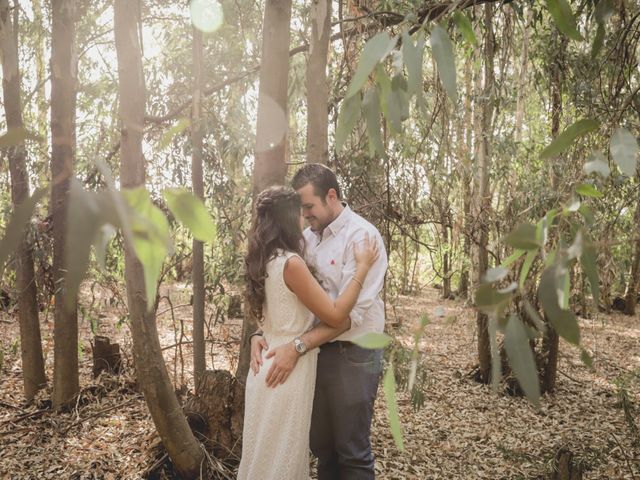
551,340
522,77
483,155
30,341
171,424
41,75
106,356
63,98
269,167
631,297
197,272
466,181
317,85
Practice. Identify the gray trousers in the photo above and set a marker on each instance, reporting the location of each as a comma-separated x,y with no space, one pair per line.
346,386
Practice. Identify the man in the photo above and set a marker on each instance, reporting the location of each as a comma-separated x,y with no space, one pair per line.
347,376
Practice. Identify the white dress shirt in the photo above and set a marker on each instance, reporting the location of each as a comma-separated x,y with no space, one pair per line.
331,254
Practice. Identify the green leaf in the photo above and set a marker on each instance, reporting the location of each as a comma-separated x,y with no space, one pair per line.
373,340
466,29
526,266
85,220
104,235
191,212
604,11
523,237
16,226
150,231
597,164
490,301
397,107
624,150
512,258
598,41
590,267
376,49
389,386
534,316
371,107
516,343
563,16
563,321
442,49
588,190
587,214
347,119
176,129
568,136
412,57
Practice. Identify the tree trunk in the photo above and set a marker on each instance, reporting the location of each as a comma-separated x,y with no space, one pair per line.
269,167
467,167
317,85
483,155
197,272
522,78
551,340
171,424
63,91
631,297
41,77
30,340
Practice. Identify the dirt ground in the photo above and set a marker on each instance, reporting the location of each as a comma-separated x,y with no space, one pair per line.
462,431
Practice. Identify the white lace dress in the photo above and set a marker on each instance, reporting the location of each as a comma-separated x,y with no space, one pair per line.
275,439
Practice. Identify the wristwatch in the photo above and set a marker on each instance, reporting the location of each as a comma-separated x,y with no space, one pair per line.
299,345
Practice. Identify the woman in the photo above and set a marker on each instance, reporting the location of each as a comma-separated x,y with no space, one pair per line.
284,294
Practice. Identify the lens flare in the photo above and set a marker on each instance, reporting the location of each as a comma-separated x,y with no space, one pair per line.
206,15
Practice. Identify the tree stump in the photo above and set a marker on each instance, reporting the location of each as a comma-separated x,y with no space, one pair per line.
216,413
106,356
564,466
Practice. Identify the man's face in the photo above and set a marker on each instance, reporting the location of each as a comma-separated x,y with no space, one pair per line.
318,213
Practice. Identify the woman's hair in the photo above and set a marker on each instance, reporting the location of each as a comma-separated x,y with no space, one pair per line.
276,225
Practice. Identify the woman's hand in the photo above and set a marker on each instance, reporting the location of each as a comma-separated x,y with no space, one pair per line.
366,254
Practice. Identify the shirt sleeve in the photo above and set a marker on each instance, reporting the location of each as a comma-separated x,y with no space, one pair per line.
373,284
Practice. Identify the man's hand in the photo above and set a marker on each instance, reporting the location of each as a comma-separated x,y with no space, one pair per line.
283,364
258,344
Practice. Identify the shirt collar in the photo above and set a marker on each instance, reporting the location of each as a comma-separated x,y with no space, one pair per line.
340,221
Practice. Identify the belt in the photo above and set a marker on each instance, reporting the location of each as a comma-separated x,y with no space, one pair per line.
337,344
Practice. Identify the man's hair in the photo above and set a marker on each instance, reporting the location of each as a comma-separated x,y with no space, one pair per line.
320,176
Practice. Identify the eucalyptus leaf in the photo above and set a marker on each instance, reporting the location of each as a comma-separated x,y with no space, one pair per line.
192,213
375,50
598,41
586,358
466,29
513,257
516,343
588,190
597,164
347,119
624,150
526,266
13,233
180,126
412,56
589,265
523,237
389,387
568,136
373,340
495,274
564,19
15,136
371,107
442,49
490,301
563,321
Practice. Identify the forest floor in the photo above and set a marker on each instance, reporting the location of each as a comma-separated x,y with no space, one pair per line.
463,430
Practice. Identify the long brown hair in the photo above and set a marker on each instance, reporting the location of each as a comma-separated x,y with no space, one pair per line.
276,225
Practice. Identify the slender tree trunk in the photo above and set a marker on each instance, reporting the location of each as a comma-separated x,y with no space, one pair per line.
199,362
317,85
170,422
551,341
30,340
63,91
41,72
483,154
467,166
631,297
269,167
522,78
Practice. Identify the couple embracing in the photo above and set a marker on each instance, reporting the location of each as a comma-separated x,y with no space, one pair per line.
314,291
